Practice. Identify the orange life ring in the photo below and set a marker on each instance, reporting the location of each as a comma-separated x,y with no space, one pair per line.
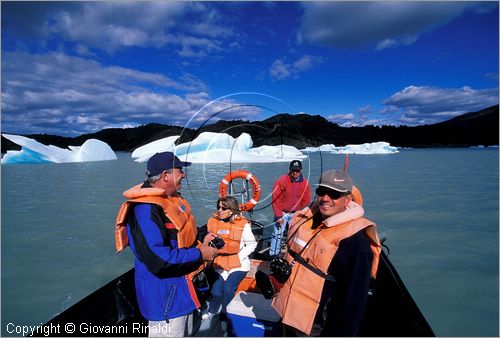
246,175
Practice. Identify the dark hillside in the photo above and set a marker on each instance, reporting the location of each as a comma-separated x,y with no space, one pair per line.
479,128
302,130
132,138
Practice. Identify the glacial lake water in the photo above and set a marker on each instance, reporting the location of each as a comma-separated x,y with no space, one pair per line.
438,209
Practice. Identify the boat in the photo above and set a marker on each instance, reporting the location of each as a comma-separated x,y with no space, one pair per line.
112,310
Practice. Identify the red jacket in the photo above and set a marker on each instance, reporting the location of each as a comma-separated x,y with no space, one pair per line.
290,196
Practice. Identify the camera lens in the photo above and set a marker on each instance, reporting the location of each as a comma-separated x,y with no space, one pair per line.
281,269
217,242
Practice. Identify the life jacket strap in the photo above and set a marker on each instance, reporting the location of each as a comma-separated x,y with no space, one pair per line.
298,258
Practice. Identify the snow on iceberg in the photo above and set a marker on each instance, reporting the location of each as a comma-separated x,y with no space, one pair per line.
211,147
208,141
323,147
143,153
277,152
366,148
35,152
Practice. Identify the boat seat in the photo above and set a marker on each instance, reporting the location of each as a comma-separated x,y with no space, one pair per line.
248,283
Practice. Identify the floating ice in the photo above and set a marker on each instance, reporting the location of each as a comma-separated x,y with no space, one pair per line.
277,152
365,148
35,152
208,141
323,147
211,147
143,153
480,146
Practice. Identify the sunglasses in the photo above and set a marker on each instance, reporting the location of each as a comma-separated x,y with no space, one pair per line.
222,207
333,194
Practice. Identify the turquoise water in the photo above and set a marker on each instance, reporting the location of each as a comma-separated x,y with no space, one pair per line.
438,209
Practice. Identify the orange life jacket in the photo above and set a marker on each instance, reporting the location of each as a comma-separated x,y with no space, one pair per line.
231,233
176,208
298,300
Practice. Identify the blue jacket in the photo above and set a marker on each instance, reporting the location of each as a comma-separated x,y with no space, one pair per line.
160,266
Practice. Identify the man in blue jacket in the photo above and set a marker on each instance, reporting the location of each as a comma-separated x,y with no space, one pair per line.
162,232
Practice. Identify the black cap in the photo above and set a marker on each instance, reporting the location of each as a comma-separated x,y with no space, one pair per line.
295,165
164,161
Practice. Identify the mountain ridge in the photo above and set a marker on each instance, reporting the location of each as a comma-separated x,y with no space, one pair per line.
302,130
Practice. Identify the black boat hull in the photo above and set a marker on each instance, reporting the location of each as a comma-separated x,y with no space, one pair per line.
112,310
391,311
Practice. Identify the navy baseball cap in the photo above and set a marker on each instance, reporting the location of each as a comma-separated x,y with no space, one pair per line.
295,165
163,161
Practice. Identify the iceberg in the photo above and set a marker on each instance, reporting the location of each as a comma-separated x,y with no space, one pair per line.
35,152
277,152
211,147
323,147
143,153
365,148
208,141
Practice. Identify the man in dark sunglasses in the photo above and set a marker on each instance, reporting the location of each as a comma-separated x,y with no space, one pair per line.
291,192
333,194
331,265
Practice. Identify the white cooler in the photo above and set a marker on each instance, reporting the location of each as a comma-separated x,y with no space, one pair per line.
251,315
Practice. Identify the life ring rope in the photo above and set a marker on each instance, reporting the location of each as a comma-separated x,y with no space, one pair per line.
250,178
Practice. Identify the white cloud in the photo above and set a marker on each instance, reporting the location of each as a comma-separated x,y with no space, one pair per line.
197,47
98,24
365,109
383,24
112,25
355,120
54,93
434,100
341,119
417,105
387,43
305,63
362,117
424,104
279,70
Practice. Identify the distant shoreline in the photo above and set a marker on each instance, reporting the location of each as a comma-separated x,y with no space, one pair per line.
301,131
476,147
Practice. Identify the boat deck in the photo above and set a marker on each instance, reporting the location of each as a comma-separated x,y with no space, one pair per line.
391,309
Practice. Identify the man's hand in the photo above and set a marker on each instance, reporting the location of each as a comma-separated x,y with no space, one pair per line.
208,238
208,253
279,222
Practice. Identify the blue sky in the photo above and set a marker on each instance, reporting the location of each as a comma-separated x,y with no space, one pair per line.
70,68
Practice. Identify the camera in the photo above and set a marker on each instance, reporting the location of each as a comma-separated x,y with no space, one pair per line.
217,243
281,269
271,284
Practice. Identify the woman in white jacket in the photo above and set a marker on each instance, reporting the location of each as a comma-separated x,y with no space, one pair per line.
233,263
